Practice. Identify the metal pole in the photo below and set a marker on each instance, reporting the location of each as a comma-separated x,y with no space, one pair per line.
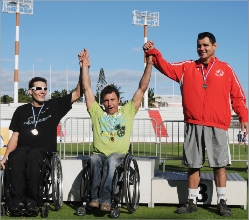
126,86
155,84
145,40
173,96
50,83
67,80
16,53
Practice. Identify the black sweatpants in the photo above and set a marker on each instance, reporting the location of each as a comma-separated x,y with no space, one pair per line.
25,165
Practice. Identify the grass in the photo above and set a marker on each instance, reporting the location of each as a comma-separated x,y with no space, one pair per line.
168,150
143,212
160,211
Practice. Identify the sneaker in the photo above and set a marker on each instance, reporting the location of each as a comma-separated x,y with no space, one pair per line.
94,204
222,208
105,207
187,208
17,209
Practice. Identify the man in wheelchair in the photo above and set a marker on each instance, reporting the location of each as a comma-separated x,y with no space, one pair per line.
34,135
112,128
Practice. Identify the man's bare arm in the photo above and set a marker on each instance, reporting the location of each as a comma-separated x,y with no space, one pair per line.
84,61
11,146
143,84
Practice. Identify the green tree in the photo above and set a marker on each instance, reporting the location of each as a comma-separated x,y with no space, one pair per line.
151,97
80,99
100,84
55,94
63,92
5,99
24,96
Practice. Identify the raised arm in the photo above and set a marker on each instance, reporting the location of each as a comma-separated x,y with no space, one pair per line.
78,92
84,61
143,84
11,146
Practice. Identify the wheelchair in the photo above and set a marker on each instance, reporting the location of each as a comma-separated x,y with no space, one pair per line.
125,186
50,187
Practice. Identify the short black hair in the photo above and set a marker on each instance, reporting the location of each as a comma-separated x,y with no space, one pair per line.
207,34
108,90
36,79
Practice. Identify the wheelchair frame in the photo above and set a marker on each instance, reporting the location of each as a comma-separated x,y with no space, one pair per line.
125,185
50,186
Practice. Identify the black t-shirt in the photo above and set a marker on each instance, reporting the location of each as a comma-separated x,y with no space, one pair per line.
50,115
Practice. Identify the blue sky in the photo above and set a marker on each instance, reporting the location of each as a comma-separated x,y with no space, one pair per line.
58,30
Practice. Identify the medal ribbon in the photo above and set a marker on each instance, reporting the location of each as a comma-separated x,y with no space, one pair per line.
114,122
36,121
205,77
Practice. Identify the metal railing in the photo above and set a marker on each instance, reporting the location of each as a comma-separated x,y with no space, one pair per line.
147,139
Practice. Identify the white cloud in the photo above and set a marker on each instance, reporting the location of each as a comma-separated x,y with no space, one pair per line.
136,49
6,60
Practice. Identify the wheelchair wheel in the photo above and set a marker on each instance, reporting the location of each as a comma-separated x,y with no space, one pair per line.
3,210
45,211
81,211
115,213
131,183
3,205
85,186
57,185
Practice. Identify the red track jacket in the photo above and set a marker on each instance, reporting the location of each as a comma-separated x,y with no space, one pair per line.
210,106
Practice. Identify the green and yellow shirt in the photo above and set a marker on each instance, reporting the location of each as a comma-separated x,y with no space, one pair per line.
111,133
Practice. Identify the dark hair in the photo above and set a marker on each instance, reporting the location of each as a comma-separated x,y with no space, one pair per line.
36,79
108,90
207,34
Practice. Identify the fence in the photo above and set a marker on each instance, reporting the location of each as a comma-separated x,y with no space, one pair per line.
147,139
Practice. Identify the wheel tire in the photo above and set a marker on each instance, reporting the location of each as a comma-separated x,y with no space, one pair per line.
82,188
85,185
44,213
115,213
57,181
131,197
57,207
80,211
3,210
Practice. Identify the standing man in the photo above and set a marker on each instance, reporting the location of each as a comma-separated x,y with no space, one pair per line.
112,128
244,138
209,88
34,135
239,135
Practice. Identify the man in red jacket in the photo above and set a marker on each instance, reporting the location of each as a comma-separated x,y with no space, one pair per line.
209,88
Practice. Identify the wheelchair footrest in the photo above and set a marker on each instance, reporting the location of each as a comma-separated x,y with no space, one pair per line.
24,213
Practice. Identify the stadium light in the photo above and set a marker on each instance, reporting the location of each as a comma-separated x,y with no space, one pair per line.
18,7
145,18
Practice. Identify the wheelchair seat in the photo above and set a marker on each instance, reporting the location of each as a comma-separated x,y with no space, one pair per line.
125,186
50,187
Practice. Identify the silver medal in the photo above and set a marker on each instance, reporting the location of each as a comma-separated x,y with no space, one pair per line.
34,132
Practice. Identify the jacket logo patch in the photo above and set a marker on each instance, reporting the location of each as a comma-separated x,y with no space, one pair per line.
219,73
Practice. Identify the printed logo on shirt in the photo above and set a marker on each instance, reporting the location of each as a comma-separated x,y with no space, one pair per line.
219,72
31,120
113,126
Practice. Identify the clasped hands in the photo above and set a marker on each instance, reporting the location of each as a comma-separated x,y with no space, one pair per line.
84,58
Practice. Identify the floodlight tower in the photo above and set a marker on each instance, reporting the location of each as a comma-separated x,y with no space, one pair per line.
145,18
18,7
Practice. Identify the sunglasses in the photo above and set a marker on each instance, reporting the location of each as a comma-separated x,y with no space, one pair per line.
39,88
